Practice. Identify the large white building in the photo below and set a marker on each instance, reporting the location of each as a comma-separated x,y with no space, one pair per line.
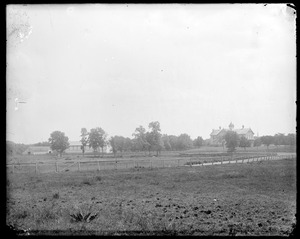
217,135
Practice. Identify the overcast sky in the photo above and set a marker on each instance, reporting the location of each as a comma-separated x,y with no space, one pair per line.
191,67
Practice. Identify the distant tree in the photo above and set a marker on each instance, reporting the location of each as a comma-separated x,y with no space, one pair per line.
184,142
113,145
127,144
232,141
173,141
15,149
84,139
58,142
140,141
257,142
244,142
45,143
207,142
291,139
120,144
154,137
267,140
279,139
198,142
166,142
97,139
149,142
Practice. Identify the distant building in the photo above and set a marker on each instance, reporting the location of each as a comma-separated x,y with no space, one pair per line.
217,135
75,147
35,150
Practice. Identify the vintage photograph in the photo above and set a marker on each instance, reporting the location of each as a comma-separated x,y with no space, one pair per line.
151,119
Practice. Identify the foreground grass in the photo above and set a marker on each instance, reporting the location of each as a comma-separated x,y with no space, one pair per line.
241,199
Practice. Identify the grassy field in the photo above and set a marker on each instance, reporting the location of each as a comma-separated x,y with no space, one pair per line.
241,199
69,162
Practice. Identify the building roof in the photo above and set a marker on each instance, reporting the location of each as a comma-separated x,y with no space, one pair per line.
238,131
215,132
243,130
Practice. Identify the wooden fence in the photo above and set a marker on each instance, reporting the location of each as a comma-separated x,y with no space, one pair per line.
58,167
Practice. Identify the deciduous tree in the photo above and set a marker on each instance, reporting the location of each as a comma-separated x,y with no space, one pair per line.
166,142
97,139
84,139
232,141
140,141
279,139
184,141
257,142
244,142
154,137
113,145
58,142
198,142
267,140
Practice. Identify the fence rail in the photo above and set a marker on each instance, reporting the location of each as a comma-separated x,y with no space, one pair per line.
58,167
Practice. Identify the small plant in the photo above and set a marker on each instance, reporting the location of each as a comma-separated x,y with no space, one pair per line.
83,213
23,214
98,178
83,217
86,182
56,195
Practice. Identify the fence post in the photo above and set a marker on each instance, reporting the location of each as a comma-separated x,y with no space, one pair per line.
98,165
78,166
36,168
13,169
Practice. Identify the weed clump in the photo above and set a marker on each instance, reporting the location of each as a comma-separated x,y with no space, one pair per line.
83,215
87,182
56,195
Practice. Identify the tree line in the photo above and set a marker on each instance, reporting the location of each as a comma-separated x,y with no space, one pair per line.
232,140
152,140
146,141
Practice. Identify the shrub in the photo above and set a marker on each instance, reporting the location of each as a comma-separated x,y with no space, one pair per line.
56,195
86,182
21,215
83,215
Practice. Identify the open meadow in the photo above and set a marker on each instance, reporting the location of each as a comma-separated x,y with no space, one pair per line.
256,198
